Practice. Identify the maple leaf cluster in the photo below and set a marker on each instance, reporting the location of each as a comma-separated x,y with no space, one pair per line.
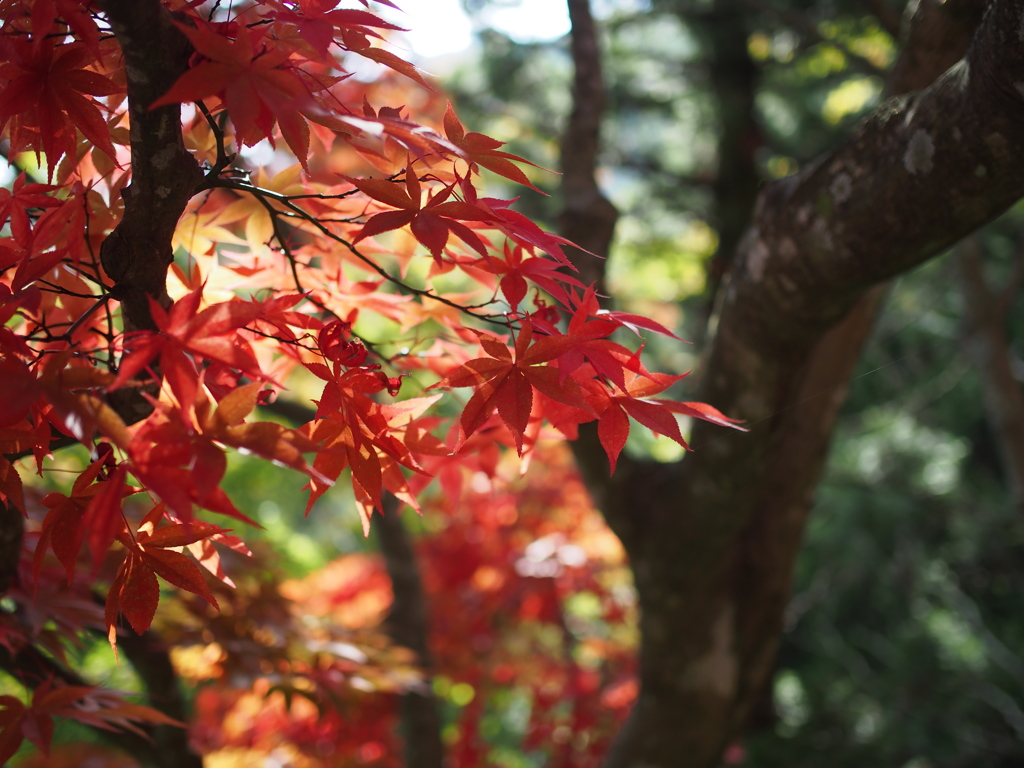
334,245
300,669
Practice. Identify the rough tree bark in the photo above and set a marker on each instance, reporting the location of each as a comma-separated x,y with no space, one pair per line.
137,254
713,540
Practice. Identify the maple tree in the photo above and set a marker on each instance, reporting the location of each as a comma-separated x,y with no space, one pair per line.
229,211
311,213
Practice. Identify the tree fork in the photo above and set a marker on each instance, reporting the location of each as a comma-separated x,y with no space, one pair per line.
714,581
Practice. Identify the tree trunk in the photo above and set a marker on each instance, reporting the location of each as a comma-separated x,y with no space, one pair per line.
988,348
408,626
713,541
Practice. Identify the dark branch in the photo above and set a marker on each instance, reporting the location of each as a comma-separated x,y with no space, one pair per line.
408,625
589,217
988,347
138,252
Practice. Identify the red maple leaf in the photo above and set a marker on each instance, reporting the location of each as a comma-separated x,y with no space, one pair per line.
92,506
152,552
356,432
210,334
47,86
48,14
257,83
182,465
16,202
103,709
519,227
657,414
430,223
516,270
505,384
590,327
479,149
319,21
274,442
356,40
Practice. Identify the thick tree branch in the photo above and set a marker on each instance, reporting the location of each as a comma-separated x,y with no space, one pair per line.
138,252
136,256
914,178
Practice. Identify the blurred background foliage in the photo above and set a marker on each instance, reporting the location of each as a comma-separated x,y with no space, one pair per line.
905,636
